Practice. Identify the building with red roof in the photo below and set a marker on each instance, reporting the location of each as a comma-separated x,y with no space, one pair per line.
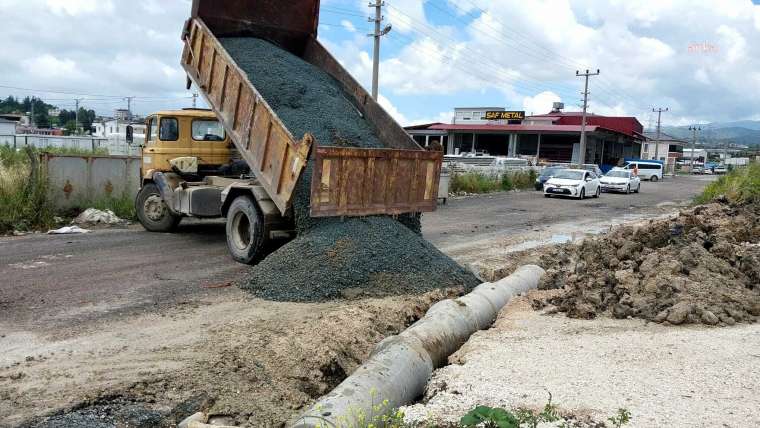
551,137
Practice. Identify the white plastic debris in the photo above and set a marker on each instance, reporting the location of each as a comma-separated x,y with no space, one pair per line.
95,216
67,230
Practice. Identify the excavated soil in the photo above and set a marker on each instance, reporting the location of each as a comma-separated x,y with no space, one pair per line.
334,257
254,372
701,266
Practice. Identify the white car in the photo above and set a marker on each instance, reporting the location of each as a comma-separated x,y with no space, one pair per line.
576,183
620,180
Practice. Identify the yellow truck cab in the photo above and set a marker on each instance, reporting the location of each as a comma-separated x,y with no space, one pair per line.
184,133
189,169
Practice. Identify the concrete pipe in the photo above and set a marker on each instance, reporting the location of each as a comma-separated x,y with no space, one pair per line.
398,370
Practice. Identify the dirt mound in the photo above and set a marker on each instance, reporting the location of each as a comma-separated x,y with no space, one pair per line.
702,266
334,257
258,371
353,257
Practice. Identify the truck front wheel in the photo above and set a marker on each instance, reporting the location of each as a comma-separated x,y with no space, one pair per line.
152,211
245,231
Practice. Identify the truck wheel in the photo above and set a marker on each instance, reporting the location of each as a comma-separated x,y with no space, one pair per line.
245,231
152,211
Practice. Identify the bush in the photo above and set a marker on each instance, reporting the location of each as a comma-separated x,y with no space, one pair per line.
24,201
741,185
475,182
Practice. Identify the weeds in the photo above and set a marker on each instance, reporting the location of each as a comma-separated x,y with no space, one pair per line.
623,417
24,201
475,182
24,191
741,185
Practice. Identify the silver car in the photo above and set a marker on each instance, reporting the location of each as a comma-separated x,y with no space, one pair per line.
620,180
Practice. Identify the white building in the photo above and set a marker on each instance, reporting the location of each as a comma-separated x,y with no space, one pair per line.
670,148
7,132
115,128
698,153
122,114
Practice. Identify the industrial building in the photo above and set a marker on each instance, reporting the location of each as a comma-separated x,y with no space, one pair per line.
551,137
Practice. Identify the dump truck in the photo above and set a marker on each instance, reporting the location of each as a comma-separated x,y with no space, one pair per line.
192,172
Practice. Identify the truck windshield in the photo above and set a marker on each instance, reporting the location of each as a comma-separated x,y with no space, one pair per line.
207,130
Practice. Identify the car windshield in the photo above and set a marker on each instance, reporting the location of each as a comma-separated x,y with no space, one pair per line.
569,175
550,172
619,174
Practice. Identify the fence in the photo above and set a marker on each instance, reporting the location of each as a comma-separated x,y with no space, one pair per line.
114,145
75,180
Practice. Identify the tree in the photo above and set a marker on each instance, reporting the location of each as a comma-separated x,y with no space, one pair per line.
86,118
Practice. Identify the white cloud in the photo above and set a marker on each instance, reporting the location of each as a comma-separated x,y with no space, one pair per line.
406,15
78,7
48,66
735,43
541,103
391,109
348,26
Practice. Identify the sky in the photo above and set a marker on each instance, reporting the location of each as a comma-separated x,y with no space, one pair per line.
700,59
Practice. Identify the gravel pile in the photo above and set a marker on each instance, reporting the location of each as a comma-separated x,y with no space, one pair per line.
356,257
334,257
701,267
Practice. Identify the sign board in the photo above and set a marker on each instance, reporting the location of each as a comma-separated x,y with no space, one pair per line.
505,115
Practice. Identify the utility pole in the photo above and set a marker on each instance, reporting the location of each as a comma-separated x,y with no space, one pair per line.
694,130
32,118
129,107
195,98
378,19
659,123
582,157
76,114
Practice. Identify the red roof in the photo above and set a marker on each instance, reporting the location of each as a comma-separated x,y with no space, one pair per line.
513,128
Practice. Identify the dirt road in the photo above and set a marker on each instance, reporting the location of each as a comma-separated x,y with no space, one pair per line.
125,313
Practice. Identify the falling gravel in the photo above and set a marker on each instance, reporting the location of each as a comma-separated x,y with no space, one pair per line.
334,257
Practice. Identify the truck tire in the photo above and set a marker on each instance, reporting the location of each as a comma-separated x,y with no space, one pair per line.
152,210
246,236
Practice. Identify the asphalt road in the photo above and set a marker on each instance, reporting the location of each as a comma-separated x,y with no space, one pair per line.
53,283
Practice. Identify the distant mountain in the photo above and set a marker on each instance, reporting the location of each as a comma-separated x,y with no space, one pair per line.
745,132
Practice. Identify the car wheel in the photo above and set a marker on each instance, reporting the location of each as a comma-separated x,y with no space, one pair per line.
546,195
638,188
654,178
582,195
628,190
598,192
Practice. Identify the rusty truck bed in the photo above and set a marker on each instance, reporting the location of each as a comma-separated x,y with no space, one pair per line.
345,181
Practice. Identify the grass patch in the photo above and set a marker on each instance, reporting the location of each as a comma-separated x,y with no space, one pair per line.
740,185
24,196
475,182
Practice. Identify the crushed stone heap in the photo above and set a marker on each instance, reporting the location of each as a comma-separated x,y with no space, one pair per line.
334,257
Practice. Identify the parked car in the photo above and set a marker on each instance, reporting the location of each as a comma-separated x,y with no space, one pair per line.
648,170
620,180
576,183
545,175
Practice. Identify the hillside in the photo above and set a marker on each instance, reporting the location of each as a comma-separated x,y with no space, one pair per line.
745,132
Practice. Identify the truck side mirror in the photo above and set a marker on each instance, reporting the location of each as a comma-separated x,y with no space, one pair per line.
130,135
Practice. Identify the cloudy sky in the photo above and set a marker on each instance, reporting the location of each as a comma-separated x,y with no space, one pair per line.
699,58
